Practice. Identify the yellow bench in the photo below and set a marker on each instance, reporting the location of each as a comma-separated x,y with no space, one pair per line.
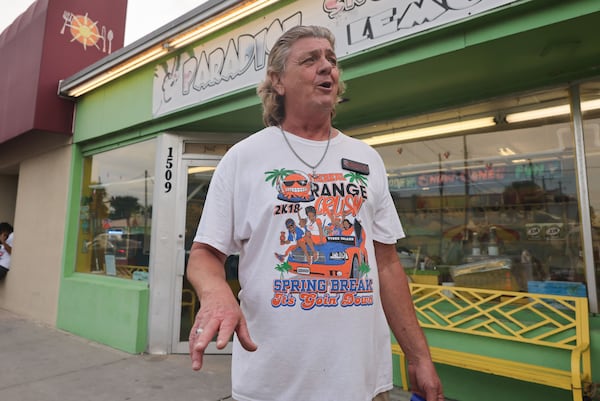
127,271
556,322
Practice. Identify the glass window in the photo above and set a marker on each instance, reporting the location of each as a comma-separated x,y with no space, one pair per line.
116,209
495,209
590,92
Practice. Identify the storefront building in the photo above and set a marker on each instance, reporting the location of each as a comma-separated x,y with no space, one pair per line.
486,114
50,41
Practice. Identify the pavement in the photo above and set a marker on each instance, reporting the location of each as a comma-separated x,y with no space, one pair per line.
41,363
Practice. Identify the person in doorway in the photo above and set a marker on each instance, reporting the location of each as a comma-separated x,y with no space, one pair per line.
6,243
296,336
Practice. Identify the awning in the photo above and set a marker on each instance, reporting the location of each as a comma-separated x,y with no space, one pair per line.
51,41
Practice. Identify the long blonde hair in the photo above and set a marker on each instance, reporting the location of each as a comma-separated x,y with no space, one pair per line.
273,105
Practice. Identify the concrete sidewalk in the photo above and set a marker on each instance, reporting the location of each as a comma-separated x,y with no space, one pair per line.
41,363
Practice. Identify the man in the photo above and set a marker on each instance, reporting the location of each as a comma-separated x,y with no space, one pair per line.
297,238
319,335
6,242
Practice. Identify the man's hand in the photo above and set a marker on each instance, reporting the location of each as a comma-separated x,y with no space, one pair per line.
425,381
218,316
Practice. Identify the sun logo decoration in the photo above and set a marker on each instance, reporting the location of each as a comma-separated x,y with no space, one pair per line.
85,31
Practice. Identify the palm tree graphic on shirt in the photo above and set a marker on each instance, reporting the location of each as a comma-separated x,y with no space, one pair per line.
356,177
277,175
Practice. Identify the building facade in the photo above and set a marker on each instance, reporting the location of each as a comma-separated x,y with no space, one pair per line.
486,114
50,41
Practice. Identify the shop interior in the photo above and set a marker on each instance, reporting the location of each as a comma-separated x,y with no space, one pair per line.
488,194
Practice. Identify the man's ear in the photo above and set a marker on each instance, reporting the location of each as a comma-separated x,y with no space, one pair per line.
277,84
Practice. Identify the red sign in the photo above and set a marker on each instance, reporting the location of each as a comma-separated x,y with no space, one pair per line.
50,41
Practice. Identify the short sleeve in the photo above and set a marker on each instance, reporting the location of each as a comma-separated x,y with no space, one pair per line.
217,221
387,227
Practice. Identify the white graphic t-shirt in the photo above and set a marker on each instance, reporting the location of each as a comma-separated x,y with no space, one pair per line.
311,301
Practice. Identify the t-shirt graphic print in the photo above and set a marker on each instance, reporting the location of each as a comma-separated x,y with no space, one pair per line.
323,261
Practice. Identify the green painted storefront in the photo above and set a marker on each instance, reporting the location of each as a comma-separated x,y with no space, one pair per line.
522,46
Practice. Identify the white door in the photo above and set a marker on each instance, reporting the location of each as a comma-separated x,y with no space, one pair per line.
195,179
184,168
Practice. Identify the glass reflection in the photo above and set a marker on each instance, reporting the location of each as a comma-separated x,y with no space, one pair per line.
116,209
494,210
591,129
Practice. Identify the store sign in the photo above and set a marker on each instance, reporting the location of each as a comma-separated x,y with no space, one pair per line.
448,178
237,60
545,231
490,174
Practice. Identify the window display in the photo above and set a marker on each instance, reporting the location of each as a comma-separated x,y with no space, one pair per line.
116,210
495,210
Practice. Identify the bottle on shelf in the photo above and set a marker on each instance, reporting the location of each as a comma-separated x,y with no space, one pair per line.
476,246
493,243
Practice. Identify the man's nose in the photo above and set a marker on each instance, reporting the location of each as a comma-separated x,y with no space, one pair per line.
324,66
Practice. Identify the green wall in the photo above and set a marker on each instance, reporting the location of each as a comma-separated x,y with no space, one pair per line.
107,310
123,103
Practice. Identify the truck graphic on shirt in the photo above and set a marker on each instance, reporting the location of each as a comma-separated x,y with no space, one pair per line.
340,256
322,235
